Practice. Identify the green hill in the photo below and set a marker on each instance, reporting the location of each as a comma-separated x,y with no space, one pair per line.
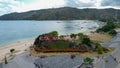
64,13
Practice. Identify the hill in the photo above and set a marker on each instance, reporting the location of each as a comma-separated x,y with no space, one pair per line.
64,13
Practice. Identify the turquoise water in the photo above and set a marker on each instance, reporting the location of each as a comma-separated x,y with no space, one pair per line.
16,30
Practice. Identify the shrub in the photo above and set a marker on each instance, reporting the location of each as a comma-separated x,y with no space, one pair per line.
54,33
100,49
112,32
88,60
12,50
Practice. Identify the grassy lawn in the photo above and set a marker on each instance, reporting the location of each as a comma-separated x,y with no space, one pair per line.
59,44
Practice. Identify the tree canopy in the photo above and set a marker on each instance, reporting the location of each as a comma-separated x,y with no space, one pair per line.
109,26
112,32
73,35
54,33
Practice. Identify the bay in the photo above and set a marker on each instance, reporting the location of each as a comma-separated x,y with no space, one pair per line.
11,31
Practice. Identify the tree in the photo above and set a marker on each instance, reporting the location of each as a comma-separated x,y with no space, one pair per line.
106,28
54,33
73,35
112,32
86,41
61,37
81,36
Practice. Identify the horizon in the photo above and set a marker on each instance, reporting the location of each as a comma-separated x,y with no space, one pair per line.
10,6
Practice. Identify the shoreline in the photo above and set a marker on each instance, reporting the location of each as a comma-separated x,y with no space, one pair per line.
19,46
16,40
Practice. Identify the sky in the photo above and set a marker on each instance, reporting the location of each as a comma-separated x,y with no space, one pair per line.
9,6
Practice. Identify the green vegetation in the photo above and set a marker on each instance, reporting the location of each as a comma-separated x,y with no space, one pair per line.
100,49
108,28
86,41
81,35
64,13
88,60
61,36
11,51
112,32
83,39
81,42
73,35
108,20
59,44
117,25
54,33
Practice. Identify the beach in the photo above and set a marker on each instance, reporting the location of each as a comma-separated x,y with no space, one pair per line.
22,45
19,46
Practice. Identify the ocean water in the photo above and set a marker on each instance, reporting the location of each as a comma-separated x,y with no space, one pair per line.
11,31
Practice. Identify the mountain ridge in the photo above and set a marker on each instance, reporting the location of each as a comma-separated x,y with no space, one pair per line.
64,13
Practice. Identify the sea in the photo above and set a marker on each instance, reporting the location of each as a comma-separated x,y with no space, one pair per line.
15,30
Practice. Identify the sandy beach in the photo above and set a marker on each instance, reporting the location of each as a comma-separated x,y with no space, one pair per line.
22,45
19,46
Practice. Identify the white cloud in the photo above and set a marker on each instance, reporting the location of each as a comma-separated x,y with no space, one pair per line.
98,3
87,1
40,4
8,6
20,6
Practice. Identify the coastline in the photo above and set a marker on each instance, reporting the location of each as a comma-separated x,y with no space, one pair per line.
19,46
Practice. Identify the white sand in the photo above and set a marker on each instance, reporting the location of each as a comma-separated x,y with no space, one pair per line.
19,46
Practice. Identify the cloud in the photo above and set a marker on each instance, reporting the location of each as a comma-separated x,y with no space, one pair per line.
112,3
41,4
80,3
8,6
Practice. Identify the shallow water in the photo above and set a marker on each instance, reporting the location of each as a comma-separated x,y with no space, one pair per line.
21,29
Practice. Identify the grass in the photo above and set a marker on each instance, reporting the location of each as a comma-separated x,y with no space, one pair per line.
59,44
78,41
100,37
